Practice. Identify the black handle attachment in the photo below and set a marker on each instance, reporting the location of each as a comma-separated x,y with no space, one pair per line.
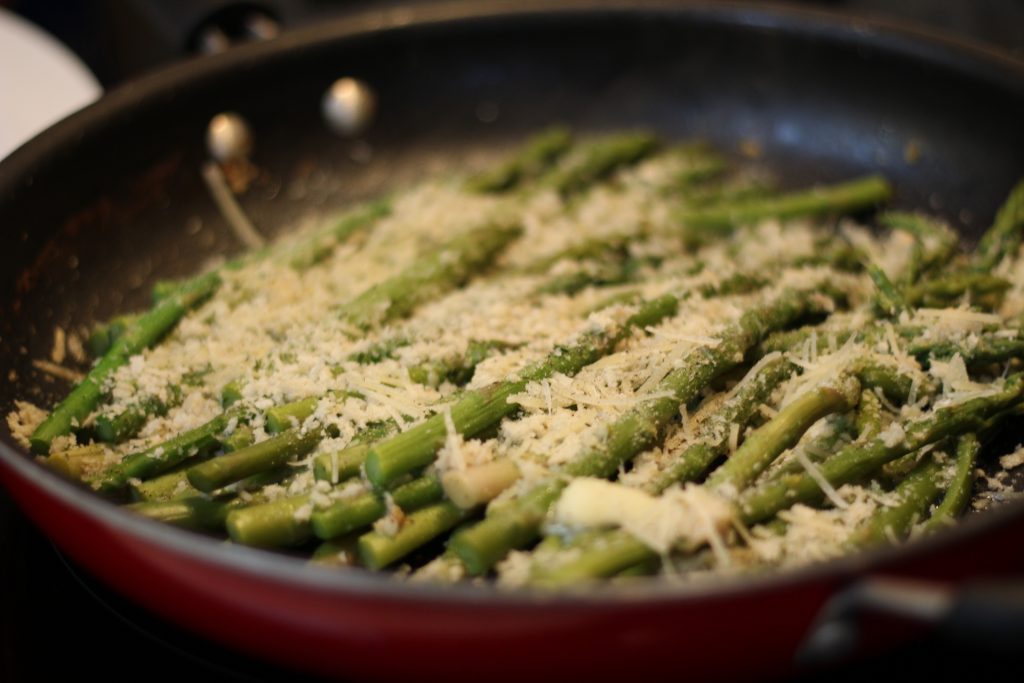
986,614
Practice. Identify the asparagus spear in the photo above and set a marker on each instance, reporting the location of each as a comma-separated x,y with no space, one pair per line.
295,519
481,409
459,369
783,431
888,299
260,457
854,195
231,393
1004,237
145,331
608,552
344,464
444,268
318,246
241,437
290,415
529,163
948,290
432,274
127,423
377,550
152,461
861,459
937,242
274,524
306,253
617,549
959,491
193,512
713,437
352,514
105,334
78,463
518,523
375,353
334,554
915,494
600,159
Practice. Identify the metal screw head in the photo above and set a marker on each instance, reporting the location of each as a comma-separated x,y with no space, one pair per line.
228,137
348,106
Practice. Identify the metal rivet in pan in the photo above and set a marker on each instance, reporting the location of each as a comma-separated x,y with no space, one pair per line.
228,137
349,106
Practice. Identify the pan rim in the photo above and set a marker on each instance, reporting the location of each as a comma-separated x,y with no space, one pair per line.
887,35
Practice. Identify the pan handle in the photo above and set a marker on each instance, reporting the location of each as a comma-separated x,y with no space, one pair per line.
984,614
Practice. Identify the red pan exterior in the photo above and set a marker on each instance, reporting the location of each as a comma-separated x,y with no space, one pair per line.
368,627
375,636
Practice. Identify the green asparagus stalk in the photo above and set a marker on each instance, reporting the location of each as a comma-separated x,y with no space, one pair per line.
1004,237
193,512
144,332
380,351
701,163
604,553
341,465
517,524
854,195
888,299
127,423
959,491
481,409
712,438
78,463
377,550
320,245
459,369
869,415
157,459
915,494
231,393
165,487
984,289
861,459
528,164
429,276
762,447
352,514
937,242
984,348
341,553
275,524
260,457
241,437
840,432
600,159
175,484
291,415
105,334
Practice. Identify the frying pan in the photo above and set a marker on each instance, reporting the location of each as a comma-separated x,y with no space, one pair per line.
104,203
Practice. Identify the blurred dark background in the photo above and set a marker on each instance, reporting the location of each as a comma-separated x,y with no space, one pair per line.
119,39
53,617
